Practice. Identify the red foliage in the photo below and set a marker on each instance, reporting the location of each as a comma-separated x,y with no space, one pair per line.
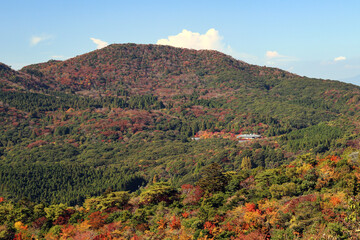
250,207
334,158
64,218
291,205
104,236
61,220
37,144
218,218
18,237
209,226
96,220
111,210
192,194
185,214
328,215
228,227
39,222
2,199
175,223
255,235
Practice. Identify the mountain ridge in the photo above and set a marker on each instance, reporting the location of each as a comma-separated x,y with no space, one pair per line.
125,62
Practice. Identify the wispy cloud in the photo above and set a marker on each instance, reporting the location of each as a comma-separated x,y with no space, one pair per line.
100,44
34,40
341,58
187,39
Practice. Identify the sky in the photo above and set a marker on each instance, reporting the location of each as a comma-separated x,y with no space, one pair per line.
314,38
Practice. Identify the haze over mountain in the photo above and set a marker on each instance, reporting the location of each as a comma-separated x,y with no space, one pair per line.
355,79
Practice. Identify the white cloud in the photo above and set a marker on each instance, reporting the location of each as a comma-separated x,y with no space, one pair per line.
272,54
211,40
100,44
59,57
34,40
187,39
341,58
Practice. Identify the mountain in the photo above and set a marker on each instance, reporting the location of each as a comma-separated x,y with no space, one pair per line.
150,69
11,79
147,141
175,75
125,114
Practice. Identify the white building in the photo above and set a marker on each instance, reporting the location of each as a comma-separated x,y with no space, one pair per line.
248,136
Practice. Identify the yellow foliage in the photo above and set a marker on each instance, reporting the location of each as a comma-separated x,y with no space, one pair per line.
253,218
270,208
84,225
51,236
237,212
326,174
18,225
303,169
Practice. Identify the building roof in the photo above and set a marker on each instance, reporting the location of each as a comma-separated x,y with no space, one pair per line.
248,136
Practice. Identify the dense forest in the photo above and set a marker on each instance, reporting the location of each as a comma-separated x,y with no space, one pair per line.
309,198
144,142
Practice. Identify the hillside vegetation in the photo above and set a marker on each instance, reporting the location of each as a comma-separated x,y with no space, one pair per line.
123,119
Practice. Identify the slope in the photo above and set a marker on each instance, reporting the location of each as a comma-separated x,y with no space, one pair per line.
120,116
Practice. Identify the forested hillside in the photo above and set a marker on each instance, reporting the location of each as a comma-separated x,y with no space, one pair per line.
310,198
139,117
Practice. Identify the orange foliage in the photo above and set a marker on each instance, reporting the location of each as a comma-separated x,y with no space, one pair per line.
135,237
335,201
250,207
175,223
67,231
162,224
185,214
96,220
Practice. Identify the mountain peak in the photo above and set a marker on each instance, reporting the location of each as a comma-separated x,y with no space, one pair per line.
145,68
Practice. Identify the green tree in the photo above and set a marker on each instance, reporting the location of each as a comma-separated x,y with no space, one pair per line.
213,179
246,163
159,192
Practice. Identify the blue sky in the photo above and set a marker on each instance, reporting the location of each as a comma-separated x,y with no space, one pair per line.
312,38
